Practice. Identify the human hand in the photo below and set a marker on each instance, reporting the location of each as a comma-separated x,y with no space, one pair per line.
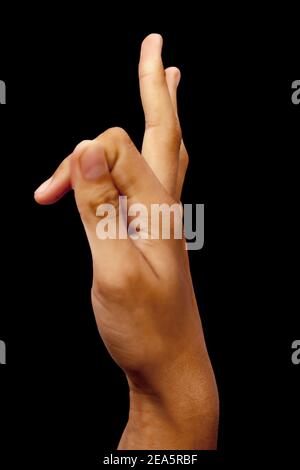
142,293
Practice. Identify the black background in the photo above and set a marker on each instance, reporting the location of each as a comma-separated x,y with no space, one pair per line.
62,397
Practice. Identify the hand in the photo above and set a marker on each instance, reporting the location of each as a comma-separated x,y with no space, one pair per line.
142,292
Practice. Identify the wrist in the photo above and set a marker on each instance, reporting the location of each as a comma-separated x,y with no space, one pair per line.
181,413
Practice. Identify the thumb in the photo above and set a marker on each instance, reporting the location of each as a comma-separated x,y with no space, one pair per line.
111,166
107,168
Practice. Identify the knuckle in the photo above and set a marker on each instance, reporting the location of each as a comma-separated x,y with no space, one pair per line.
152,69
144,72
116,282
146,69
82,145
118,134
106,195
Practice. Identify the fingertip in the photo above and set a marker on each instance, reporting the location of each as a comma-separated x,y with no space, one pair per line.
173,76
44,186
51,195
151,44
43,200
41,192
155,37
55,187
60,182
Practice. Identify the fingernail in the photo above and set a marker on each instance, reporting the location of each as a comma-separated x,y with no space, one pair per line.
177,78
44,186
93,164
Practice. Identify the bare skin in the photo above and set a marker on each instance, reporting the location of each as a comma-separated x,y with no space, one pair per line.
142,293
